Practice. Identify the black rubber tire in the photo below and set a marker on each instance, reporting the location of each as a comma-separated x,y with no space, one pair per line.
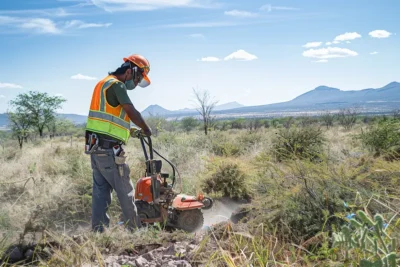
190,220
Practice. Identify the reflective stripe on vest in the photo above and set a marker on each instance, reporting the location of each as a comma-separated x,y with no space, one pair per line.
105,119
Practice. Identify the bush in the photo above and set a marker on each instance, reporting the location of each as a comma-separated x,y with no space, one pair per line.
302,143
227,179
383,139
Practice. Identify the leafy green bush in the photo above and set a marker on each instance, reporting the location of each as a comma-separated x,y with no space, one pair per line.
302,143
227,179
383,139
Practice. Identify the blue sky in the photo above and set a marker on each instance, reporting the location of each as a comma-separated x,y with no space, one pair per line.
254,52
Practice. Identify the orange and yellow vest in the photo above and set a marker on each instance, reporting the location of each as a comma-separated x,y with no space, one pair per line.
104,118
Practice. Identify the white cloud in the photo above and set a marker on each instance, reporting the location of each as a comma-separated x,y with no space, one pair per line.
2,96
82,77
41,25
328,43
321,61
47,26
312,44
146,5
82,25
50,12
348,42
240,13
196,35
335,42
269,8
380,34
347,36
200,24
209,59
240,55
373,53
10,85
329,52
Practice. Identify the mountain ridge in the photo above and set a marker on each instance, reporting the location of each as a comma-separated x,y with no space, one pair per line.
383,99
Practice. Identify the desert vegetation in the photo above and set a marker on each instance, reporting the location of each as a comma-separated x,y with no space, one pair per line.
302,191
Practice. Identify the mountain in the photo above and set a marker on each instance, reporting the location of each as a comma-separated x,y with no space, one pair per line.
158,110
230,105
155,110
370,100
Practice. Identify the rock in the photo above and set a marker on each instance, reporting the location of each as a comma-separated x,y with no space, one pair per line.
149,256
180,263
28,254
141,262
14,254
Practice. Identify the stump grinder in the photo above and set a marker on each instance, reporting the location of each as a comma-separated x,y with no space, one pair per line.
156,199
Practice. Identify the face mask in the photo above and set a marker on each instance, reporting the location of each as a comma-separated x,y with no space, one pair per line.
130,85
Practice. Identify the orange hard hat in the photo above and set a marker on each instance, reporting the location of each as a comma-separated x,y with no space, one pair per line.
143,64
139,61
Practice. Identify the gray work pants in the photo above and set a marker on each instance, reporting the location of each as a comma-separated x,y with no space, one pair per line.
106,177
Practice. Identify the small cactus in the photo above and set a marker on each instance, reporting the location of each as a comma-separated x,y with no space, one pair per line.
368,237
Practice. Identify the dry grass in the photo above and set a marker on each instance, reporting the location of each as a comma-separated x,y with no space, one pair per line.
46,193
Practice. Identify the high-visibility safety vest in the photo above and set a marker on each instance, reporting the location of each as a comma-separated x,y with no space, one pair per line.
104,118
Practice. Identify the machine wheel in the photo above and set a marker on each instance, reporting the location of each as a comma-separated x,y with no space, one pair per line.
190,220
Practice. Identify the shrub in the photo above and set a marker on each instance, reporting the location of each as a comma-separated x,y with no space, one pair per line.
383,139
227,179
302,143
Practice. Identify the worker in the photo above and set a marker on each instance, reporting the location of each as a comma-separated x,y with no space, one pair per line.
107,130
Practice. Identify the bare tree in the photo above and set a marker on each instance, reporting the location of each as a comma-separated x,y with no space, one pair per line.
327,119
348,117
205,106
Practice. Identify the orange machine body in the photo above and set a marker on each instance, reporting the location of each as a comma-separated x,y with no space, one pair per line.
143,189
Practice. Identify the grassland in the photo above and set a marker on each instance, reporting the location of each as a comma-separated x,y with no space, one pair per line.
300,186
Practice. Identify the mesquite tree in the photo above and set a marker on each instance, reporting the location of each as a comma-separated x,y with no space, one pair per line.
39,108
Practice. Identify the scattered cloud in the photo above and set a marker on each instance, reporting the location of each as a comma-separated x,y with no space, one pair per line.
347,36
321,61
335,42
82,77
10,85
329,52
47,26
147,5
270,8
374,53
240,13
209,59
41,25
380,34
240,55
82,25
237,55
312,44
196,36
328,43
50,12
200,24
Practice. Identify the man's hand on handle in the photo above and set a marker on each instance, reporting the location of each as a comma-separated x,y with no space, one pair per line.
137,119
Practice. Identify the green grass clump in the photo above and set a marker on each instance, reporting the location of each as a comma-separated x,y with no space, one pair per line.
226,178
383,138
298,142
